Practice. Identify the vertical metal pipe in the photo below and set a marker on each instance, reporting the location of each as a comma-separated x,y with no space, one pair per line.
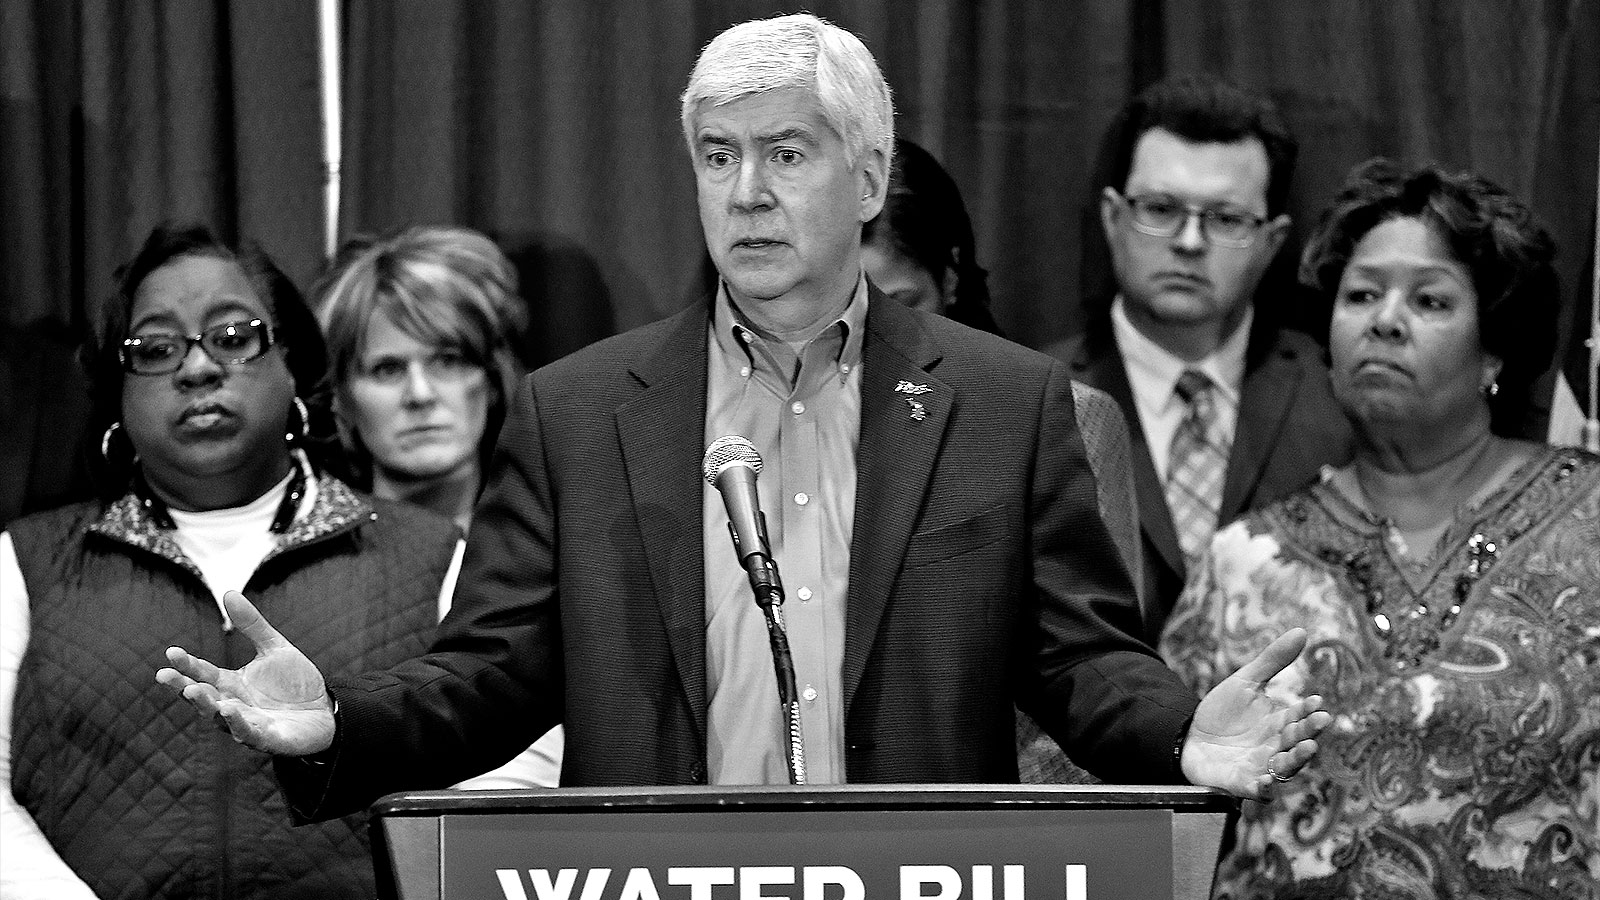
1591,425
332,119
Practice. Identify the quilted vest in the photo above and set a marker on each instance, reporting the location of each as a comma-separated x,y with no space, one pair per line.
138,794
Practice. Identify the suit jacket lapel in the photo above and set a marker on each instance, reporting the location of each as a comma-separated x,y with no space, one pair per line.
1265,398
1098,363
902,427
661,435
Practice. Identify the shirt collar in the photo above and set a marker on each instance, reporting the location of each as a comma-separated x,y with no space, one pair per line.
1153,370
735,336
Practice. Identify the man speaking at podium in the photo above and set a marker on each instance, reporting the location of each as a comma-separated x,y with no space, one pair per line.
926,494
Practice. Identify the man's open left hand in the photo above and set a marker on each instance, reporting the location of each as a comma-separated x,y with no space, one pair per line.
1244,741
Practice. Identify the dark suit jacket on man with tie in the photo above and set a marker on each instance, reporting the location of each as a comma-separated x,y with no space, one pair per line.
1288,428
1194,210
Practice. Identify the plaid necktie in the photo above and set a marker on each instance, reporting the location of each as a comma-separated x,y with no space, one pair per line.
1196,466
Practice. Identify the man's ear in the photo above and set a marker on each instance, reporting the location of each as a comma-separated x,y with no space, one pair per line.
1110,208
874,180
1275,232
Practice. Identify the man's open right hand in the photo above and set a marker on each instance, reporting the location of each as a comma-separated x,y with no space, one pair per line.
277,703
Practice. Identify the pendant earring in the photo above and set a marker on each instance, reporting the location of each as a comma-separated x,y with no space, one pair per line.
305,424
1493,389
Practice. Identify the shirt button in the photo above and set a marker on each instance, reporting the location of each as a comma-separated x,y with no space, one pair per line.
845,368
810,694
744,371
797,407
804,593
802,498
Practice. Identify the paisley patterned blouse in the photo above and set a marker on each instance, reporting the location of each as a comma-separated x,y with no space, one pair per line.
1464,758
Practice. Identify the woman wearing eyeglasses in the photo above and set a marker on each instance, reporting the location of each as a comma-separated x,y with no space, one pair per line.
204,368
420,326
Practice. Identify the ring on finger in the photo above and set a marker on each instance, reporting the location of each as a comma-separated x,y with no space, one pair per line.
1276,775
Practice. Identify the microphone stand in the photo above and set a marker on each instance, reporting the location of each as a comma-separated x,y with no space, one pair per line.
768,590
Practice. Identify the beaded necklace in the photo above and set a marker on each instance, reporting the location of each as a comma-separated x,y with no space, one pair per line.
1410,628
1412,633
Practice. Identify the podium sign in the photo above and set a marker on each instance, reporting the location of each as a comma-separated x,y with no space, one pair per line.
926,853
838,843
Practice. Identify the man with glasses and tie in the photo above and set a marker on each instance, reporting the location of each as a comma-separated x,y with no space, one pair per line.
1228,410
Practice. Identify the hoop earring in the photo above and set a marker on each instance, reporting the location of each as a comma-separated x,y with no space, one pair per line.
305,424
105,441
105,445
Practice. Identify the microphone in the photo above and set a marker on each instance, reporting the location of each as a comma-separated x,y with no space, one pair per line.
731,465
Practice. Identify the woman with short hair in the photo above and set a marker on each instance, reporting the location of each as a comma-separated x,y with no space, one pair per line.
205,368
1449,576
420,326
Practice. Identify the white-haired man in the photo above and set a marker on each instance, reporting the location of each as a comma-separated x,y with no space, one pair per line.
925,489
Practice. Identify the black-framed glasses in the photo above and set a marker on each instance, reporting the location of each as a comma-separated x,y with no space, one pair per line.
228,344
1160,215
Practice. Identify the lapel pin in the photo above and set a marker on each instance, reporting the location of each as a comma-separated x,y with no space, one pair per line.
906,387
918,411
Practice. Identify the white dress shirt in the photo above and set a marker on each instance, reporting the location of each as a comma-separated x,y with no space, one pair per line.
1153,374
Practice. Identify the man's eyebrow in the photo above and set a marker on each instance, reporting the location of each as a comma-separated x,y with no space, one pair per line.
795,133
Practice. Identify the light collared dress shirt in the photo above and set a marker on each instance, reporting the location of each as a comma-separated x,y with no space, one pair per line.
801,408
1153,374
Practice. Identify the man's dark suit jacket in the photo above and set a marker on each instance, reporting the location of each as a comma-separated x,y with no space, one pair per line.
1289,427
980,573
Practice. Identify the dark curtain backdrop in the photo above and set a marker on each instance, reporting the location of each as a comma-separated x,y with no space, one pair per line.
554,127
118,115
1508,89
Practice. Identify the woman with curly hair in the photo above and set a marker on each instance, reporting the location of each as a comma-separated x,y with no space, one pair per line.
1449,576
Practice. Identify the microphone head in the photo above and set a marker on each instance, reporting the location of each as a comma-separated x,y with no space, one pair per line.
730,449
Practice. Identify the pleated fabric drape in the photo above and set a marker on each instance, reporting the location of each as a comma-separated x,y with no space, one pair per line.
119,115
554,127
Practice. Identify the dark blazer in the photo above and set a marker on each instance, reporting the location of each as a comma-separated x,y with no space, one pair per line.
980,573
1289,427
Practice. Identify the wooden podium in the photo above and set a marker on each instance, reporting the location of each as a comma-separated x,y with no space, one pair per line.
847,842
